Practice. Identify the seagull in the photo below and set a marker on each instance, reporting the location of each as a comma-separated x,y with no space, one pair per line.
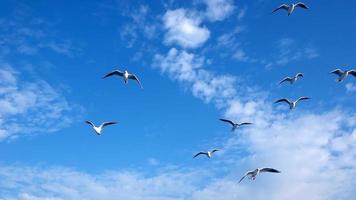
233,124
208,153
292,79
253,174
343,74
292,104
291,7
98,129
126,75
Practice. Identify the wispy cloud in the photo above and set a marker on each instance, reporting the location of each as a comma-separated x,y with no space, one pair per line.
290,50
188,69
184,28
317,162
350,87
30,107
140,23
30,36
218,10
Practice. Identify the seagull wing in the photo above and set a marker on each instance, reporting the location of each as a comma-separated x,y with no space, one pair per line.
249,172
266,169
107,124
285,79
200,153
228,121
303,98
299,75
283,6
338,72
242,178
245,123
215,150
134,77
301,5
352,72
89,122
283,100
115,72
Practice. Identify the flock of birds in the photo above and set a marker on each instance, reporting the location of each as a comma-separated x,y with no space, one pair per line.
290,8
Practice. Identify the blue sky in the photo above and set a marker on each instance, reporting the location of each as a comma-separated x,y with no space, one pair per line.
198,61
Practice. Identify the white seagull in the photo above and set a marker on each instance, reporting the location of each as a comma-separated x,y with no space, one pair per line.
291,7
253,174
235,125
292,79
98,129
208,153
292,104
343,74
126,75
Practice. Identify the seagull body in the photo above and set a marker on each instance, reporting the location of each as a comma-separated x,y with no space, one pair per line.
291,7
292,104
125,75
98,129
209,154
343,74
233,124
253,174
292,80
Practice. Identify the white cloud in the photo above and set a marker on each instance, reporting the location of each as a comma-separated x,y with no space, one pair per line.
316,160
240,55
188,69
350,87
68,184
141,23
183,28
28,107
289,50
229,40
218,10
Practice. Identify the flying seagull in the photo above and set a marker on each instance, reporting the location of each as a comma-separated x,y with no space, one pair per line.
126,75
208,153
291,7
233,124
292,104
253,174
343,74
292,80
98,129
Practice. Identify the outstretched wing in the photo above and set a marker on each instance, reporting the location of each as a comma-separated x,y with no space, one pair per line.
285,79
283,6
301,5
270,170
200,153
134,77
299,75
338,72
303,98
115,72
89,122
245,123
215,150
107,124
352,72
282,100
249,172
228,121
242,178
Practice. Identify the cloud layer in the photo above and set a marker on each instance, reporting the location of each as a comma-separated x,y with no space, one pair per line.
183,28
28,107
